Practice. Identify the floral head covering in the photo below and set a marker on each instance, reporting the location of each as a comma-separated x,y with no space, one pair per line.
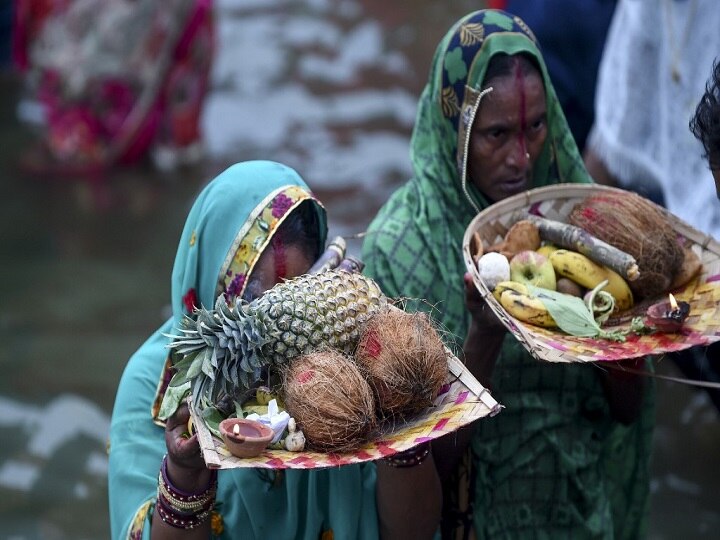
229,226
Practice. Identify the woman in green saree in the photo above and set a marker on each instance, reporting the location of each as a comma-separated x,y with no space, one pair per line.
254,225
569,454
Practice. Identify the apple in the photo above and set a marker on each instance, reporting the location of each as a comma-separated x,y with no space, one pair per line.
533,268
568,286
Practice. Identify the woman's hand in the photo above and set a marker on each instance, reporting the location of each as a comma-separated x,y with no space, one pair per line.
186,466
485,335
183,446
483,318
185,472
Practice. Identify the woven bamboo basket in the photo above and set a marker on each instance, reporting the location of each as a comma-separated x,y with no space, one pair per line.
556,202
462,401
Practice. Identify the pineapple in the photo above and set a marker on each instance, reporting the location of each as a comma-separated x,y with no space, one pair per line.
223,350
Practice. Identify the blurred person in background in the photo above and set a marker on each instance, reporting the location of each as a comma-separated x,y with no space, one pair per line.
571,34
255,225
652,74
108,82
569,456
705,124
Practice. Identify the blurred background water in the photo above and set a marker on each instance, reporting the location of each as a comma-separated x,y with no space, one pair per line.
326,86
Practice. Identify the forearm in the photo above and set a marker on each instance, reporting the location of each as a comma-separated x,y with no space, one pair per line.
597,169
624,390
409,500
482,348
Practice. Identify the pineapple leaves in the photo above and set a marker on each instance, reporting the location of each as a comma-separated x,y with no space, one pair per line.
196,365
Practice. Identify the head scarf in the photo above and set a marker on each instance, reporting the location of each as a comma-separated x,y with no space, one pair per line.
413,247
230,224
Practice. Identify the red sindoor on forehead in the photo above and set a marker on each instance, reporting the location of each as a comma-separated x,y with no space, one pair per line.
520,87
280,259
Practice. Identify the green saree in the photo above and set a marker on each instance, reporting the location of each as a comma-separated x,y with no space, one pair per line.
229,225
553,463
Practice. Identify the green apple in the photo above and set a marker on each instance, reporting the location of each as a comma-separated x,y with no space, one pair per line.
533,268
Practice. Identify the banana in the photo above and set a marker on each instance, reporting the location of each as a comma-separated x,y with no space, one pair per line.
588,273
509,286
547,249
517,301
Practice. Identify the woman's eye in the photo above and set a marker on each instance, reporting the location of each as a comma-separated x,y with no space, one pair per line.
496,134
538,125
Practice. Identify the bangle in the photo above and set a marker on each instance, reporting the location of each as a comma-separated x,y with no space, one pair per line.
182,509
409,458
179,521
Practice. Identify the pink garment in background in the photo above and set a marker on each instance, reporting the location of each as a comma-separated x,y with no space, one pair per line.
115,78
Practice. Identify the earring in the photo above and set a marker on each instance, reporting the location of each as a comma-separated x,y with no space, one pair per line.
527,155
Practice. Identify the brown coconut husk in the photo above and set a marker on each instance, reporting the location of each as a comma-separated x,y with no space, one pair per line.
636,226
405,360
330,400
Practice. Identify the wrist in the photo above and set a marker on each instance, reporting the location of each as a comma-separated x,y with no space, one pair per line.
180,508
487,330
409,458
187,479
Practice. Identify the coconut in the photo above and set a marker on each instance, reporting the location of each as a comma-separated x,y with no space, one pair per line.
638,227
405,361
330,400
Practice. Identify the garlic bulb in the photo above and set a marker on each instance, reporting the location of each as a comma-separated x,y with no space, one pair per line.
295,441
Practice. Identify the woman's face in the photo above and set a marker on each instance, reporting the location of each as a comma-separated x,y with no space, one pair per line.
276,264
508,135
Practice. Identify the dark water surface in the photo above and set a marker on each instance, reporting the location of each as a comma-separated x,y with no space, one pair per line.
328,87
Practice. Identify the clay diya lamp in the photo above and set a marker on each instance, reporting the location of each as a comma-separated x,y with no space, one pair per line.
245,438
669,315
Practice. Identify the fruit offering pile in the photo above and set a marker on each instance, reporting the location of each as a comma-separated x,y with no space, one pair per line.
613,252
331,346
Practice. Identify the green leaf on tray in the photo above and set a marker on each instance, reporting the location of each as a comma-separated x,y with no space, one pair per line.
212,418
572,315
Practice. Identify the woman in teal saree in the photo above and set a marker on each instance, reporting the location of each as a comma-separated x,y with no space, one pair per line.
242,236
569,454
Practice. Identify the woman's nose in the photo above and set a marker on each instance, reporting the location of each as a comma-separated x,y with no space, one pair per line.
519,156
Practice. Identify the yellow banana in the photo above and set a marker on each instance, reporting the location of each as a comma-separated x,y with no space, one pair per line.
509,286
517,302
588,273
618,287
547,249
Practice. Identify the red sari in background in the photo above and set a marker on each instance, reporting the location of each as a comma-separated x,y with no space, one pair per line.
115,79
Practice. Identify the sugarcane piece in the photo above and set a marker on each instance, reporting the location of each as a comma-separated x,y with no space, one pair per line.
575,238
331,257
